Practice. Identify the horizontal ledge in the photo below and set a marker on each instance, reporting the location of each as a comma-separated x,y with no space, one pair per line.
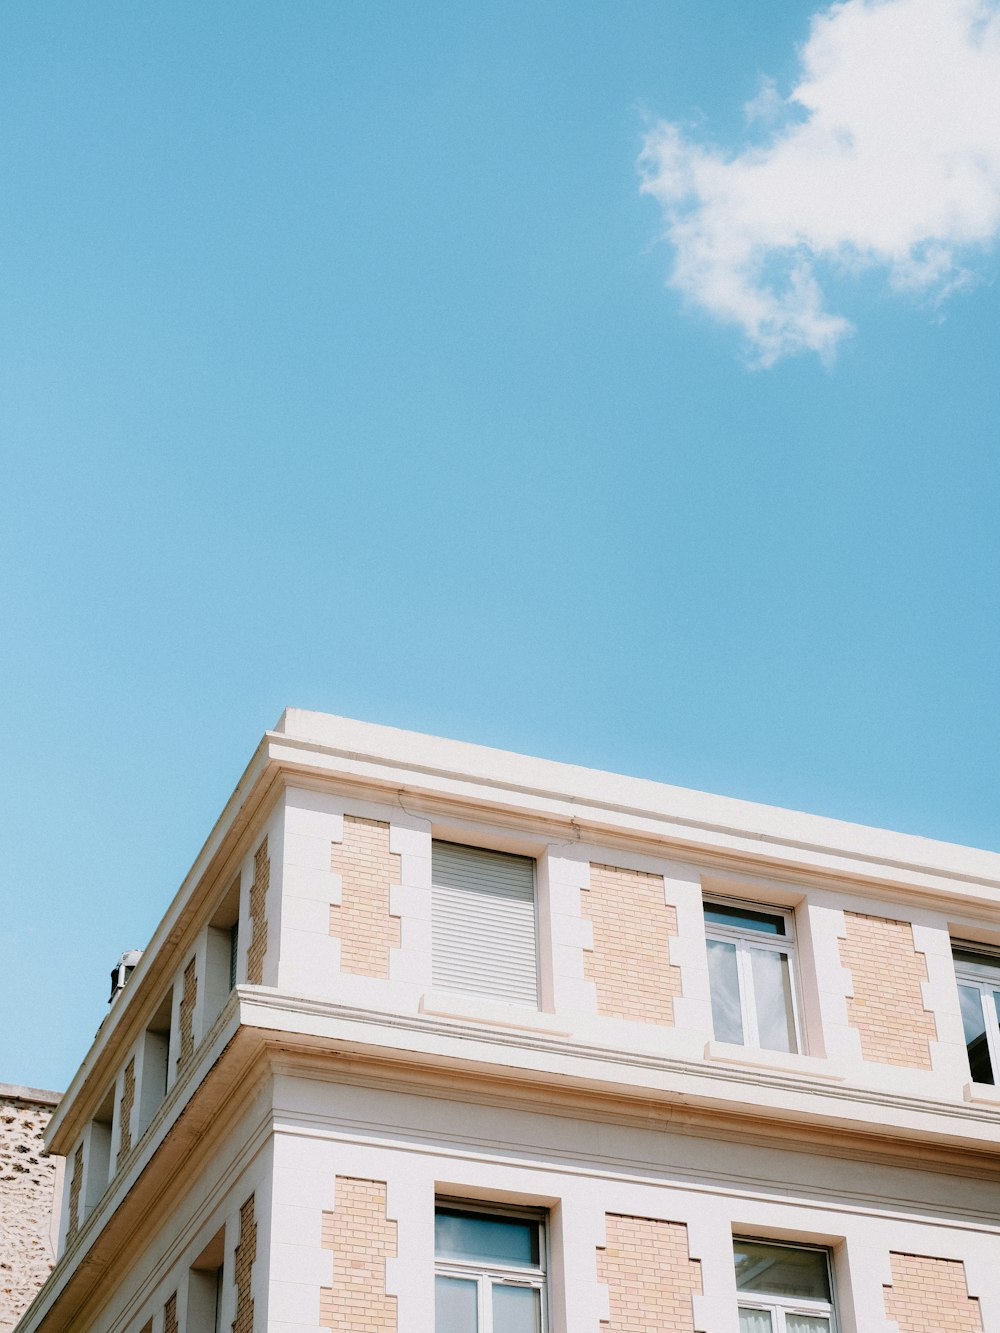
776,1062
477,1009
983,1093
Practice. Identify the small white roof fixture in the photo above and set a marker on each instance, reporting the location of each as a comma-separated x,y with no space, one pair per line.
121,972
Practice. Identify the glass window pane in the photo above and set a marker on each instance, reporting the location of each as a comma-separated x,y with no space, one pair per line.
485,1239
772,988
806,1323
970,1000
983,964
724,982
455,1305
745,918
516,1309
755,1321
780,1270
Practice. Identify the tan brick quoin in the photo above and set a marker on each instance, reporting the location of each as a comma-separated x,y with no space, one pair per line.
246,1254
630,961
75,1190
189,997
125,1111
888,1007
362,921
362,1239
930,1296
651,1279
170,1315
258,914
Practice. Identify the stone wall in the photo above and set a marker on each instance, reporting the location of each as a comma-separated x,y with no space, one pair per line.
27,1185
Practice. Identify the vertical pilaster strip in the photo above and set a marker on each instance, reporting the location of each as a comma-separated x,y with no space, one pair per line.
887,1006
362,1239
362,920
931,1296
650,1277
125,1111
75,1190
189,998
258,914
246,1254
629,963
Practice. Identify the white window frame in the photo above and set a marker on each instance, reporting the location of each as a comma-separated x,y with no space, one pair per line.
746,938
486,1276
779,1307
984,977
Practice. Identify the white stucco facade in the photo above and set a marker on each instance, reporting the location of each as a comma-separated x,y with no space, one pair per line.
224,1143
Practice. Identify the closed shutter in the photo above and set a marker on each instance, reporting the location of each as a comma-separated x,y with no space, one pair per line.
484,923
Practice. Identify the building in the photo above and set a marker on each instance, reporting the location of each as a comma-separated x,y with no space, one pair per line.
28,1179
437,1037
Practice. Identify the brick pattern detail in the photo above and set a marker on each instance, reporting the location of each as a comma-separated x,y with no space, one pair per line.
362,921
651,1280
361,1238
246,1253
189,998
75,1190
630,961
27,1184
258,915
125,1111
931,1296
170,1315
888,1007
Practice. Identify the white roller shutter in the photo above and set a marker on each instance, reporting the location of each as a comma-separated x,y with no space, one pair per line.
484,923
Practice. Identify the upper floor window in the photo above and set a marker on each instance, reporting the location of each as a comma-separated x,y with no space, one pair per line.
484,923
489,1272
751,975
979,996
783,1288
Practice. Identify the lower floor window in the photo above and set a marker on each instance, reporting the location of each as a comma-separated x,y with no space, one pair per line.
783,1288
489,1271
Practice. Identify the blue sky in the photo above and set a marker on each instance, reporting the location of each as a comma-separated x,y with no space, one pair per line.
346,363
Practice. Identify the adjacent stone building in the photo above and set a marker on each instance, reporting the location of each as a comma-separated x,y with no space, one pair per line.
28,1180
441,1039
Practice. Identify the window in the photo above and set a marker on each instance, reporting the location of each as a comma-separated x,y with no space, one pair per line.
751,976
155,1066
484,923
979,996
489,1273
783,1288
204,1311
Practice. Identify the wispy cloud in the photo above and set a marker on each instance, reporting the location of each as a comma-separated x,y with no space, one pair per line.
885,155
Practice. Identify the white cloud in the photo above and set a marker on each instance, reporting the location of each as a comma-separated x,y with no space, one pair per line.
886,154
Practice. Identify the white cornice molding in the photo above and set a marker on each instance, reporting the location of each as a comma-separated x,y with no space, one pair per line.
406,761
549,1061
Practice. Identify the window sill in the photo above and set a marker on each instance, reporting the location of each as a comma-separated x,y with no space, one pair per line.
774,1062
984,1094
478,1009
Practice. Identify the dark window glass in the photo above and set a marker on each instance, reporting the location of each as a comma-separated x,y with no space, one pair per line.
970,1000
781,1270
485,1238
745,918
